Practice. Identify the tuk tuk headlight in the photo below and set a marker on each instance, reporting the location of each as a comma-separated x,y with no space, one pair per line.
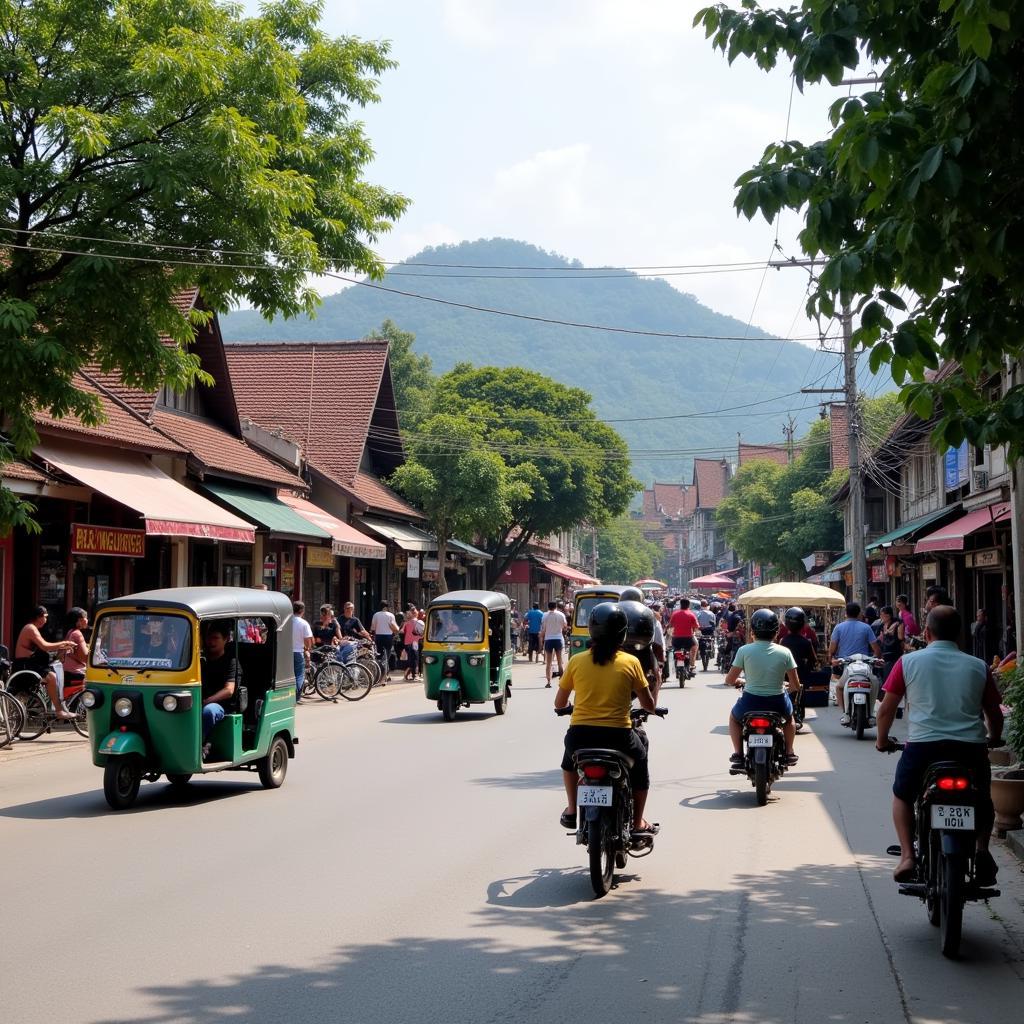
89,699
476,659
450,662
123,707
430,659
169,702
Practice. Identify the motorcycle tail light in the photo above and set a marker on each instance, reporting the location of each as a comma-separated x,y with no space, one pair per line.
594,771
760,723
952,782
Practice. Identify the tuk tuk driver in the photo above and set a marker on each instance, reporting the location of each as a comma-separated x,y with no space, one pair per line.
220,676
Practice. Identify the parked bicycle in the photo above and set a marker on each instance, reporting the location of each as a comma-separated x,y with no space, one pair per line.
331,678
12,714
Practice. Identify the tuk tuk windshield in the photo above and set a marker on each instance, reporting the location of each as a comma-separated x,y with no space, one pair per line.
585,605
456,625
142,641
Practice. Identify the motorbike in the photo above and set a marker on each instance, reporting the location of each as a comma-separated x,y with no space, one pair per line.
764,752
705,646
684,670
860,690
944,848
604,802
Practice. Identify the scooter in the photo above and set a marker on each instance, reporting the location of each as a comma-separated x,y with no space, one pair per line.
764,752
684,670
860,690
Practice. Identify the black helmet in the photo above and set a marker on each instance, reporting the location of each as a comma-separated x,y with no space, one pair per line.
631,594
608,622
795,619
639,625
764,624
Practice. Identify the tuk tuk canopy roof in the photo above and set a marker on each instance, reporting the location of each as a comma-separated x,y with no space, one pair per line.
490,599
806,595
211,602
600,588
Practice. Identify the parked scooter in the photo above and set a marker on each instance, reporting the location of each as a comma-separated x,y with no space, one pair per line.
764,752
604,801
944,848
860,691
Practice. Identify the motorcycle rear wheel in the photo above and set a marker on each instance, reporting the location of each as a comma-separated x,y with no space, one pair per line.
860,719
761,782
951,903
601,848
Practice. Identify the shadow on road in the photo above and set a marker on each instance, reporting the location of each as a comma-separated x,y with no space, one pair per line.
548,779
435,718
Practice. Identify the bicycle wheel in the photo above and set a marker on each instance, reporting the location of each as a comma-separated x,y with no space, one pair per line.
355,684
371,665
12,717
78,709
327,681
35,716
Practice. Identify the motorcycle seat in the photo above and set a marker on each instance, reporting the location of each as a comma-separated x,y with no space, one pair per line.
602,754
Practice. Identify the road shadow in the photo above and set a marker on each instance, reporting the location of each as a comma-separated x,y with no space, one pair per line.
436,718
540,942
547,779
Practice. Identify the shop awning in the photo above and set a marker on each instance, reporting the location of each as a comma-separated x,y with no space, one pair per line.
266,511
951,537
408,538
468,549
346,541
909,528
845,559
566,572
129,478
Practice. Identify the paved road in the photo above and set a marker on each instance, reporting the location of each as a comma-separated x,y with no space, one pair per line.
413,871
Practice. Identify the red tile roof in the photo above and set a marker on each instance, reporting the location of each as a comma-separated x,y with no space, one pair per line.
18,470
709,476
324,396
216,449
122,426
764,452
839,432
667,500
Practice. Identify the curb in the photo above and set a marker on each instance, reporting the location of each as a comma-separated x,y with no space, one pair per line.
1014,842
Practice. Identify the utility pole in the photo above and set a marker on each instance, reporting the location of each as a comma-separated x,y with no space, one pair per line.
858,554
789,429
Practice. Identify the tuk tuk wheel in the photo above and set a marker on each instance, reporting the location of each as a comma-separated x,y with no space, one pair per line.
501,703
274,766
449,705
179,781
122,777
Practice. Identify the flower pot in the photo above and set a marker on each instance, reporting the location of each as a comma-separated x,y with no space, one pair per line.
1001,757
1008,798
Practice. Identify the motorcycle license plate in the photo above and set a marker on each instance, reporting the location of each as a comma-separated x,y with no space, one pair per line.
953,817
757,740
860,698
594,796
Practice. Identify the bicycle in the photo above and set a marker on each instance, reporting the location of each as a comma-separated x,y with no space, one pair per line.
12,714
27,687
332,678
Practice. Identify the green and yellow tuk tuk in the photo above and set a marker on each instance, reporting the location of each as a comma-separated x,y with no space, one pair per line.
584,602
467,651
144,687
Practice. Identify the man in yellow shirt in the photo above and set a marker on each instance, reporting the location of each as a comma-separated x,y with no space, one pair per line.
604,679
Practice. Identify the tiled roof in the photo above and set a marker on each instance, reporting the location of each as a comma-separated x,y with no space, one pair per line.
216,449
368,489
709,476
666,500
764,452
18,470
123,427
839,433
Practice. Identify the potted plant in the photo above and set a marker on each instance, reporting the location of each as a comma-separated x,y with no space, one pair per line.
1008,783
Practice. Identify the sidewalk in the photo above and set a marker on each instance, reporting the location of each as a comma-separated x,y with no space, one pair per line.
1014,843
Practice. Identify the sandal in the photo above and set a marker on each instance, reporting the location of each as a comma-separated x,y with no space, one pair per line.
790,759
736,759
567,820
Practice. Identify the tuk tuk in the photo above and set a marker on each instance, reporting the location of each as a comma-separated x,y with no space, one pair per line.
144,687
585,600
467,651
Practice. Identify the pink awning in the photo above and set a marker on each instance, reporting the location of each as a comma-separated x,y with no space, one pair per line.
951,537
347,541
129,478
566,572
713,582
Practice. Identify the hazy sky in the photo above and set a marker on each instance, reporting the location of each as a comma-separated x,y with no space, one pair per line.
605,130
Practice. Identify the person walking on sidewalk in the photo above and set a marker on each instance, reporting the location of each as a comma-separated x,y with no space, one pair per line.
533,618
384,627
412,632
302,644
552,629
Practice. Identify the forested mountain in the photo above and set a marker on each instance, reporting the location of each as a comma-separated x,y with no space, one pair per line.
628,375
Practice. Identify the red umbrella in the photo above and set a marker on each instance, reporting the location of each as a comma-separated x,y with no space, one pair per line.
713,582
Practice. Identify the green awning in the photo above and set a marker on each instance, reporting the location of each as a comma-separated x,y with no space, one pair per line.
840,563
910,527
266,511
468,549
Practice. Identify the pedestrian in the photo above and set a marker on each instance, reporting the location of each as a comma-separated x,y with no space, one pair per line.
302,644
891,637
412,631
910,626
552,628
516,624
384,627
979,635
534,617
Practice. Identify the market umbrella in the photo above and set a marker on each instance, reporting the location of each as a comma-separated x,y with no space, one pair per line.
806,595
650,584
713,582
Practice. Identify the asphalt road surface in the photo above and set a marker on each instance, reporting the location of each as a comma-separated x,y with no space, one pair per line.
412,871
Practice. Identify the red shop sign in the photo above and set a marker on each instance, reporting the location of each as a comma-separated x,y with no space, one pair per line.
112,541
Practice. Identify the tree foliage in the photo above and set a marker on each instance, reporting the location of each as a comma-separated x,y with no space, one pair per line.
623,553
462,485
147,147
917,188
411,374
574,467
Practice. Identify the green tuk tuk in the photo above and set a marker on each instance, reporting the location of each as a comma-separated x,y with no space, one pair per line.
467,651
144,687
584,602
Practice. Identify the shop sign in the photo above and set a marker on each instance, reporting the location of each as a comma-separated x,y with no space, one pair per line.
890,565
830,577
821,559
413,568
956,467
430,564
879,574
929,570
319,558
399,559
107,540
991,559
429,575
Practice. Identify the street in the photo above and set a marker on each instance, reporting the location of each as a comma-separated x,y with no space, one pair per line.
414,871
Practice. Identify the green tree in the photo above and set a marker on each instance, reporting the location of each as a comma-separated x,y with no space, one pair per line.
412,374
915,188
461,485
147,147
575,468
623,553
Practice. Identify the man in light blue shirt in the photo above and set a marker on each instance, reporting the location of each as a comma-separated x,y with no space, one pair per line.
848,638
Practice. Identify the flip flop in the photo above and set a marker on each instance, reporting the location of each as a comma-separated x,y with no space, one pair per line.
567,820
